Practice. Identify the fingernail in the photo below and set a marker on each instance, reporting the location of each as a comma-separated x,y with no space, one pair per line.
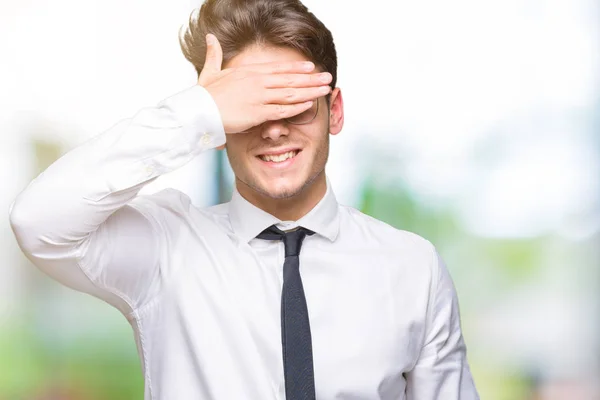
326,77
309,66
210,40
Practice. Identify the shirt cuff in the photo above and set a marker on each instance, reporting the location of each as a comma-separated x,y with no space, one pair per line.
157,140
196,110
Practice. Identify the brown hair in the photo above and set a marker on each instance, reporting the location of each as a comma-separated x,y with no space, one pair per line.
241,23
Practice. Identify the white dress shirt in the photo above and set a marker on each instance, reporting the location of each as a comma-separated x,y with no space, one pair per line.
203,295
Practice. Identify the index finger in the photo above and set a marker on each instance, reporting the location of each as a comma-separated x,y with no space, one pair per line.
280,67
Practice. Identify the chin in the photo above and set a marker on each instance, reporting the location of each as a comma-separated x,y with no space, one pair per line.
283,190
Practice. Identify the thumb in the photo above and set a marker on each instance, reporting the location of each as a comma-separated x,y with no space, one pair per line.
214,59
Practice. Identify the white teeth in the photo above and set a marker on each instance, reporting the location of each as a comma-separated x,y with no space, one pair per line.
280,157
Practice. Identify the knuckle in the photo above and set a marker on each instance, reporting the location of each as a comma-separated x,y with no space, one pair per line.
290,94
267,81
279,67
290,81
281,109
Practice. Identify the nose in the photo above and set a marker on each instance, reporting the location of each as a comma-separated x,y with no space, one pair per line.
274,130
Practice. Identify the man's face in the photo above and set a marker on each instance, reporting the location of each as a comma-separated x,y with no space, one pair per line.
277,159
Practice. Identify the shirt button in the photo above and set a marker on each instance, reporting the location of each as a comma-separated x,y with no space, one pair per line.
206,139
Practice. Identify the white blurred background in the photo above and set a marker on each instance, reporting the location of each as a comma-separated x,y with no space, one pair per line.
473,123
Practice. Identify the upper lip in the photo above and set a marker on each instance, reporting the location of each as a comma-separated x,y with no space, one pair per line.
279,151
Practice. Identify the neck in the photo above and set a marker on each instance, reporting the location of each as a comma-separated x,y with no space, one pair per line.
291,208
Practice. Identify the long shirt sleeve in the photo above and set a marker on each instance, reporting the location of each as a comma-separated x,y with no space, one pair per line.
442,371
79,221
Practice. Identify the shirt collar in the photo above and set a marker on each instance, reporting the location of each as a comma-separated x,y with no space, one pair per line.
248,221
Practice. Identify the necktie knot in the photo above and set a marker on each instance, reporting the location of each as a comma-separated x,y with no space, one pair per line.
292,240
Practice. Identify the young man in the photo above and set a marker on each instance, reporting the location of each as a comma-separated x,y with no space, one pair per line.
280,293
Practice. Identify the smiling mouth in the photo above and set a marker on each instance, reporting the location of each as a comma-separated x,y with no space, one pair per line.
279,158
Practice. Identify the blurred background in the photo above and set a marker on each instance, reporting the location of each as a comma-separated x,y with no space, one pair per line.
474,123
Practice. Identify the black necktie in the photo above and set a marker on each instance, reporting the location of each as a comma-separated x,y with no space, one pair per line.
295,327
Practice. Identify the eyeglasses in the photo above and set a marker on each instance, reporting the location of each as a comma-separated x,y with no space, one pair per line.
305,117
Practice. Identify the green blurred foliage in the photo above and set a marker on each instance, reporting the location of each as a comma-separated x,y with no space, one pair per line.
397,205
79,371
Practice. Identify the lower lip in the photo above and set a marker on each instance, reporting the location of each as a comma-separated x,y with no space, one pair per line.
280,165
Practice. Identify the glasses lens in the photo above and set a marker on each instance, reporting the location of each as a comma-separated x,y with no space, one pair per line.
306,116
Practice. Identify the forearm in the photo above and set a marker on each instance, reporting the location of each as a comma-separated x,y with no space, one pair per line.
76,194
442,370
